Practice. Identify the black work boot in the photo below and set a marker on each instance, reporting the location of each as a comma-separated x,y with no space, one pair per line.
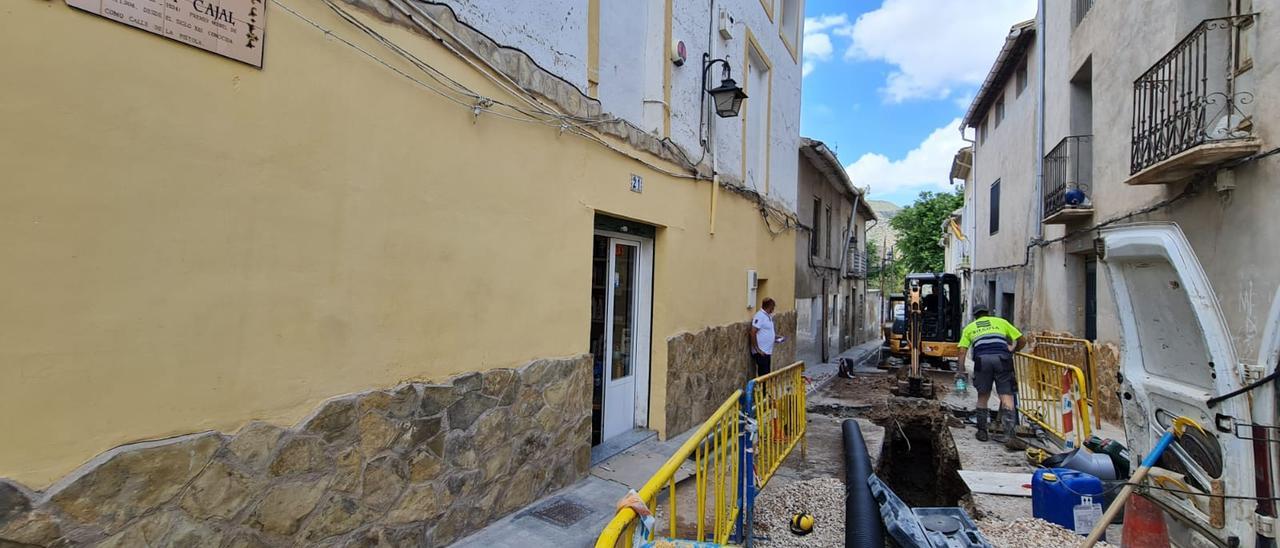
997,433
1009,423
983,416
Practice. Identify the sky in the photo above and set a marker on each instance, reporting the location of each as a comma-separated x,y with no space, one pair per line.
887,81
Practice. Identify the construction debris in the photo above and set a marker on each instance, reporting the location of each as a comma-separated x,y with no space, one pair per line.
1011,484
1024,532
822,497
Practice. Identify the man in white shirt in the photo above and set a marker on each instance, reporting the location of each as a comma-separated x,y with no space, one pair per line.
763,336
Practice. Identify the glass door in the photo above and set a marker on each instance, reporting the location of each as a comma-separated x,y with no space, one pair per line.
599,294
621,292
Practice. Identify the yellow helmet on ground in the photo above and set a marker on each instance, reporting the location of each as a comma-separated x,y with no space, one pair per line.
801,524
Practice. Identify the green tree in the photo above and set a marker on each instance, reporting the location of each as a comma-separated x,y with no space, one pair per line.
882,274
919,227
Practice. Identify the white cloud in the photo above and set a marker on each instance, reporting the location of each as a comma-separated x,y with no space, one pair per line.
817,39
817,47
935,46
822,23
924,168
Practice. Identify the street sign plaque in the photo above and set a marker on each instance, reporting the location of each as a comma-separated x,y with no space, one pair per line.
230,28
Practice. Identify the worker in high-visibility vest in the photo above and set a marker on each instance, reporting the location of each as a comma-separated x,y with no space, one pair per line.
993,342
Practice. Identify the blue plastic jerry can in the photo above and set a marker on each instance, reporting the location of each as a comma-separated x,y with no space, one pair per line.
1067,498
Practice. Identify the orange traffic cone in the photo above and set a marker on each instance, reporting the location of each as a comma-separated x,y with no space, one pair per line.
1144,525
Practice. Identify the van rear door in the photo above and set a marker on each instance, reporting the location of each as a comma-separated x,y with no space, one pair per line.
1177,352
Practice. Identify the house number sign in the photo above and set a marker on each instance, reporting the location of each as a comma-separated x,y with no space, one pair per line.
231,28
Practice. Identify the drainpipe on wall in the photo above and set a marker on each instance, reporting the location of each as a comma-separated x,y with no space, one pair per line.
1030,287
715,171
1039,205
709,146
973,225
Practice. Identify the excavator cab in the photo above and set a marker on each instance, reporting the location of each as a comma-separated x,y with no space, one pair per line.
894,328
940,316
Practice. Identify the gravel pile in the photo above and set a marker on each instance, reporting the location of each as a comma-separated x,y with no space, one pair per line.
1024,532
823,498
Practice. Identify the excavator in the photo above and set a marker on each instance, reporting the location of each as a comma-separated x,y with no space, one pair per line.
894,328
940,315
932,329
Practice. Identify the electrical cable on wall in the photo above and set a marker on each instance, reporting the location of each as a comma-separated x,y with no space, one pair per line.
540,114
563,120
1190,190
566,120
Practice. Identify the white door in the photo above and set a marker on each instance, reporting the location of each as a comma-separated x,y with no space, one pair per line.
1177,353
623,291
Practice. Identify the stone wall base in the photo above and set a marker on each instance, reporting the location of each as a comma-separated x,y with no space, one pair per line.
1107,357
1107,364
416,465
704,368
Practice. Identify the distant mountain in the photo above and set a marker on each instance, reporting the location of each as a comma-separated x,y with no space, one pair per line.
885,210
882,234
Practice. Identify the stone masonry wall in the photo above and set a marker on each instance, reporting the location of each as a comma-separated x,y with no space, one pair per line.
417,465
703,368
1108,360
785,354
1107,363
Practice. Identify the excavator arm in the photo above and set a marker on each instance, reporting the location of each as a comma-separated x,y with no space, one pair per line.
916,384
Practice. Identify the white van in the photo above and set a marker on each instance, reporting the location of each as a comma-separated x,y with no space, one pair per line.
1178,356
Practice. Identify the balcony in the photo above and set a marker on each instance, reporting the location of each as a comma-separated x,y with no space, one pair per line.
1082,9
1068,181
856,263
1192,110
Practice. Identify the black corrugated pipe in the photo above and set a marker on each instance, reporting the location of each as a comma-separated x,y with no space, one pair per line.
862,525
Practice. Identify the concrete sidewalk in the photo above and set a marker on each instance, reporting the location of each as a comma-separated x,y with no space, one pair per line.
573,517
865,357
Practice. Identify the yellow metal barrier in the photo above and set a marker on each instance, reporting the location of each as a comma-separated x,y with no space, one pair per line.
780,414
1077,352
715,448
1050,394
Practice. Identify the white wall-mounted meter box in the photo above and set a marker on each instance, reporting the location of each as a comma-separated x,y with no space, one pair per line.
726,25
753,283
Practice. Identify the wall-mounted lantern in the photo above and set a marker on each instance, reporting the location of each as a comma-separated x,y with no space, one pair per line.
727,96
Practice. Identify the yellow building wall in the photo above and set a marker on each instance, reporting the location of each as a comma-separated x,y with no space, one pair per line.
190,243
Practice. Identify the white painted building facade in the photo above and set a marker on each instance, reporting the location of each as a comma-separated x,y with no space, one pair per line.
621,52
1136,205
956,229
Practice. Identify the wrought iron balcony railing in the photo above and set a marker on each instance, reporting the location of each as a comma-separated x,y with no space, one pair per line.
1082,9
856,265
1068,178
1191,96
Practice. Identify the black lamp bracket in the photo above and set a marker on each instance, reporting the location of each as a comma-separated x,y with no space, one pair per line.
707,63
